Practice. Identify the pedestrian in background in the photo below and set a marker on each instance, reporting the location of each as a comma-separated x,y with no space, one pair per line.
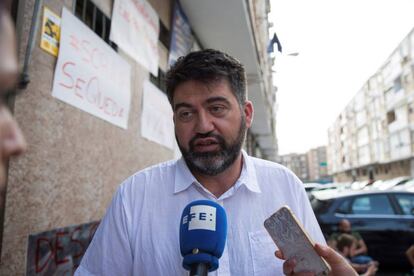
359,254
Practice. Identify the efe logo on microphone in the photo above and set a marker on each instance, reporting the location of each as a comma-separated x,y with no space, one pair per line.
201,217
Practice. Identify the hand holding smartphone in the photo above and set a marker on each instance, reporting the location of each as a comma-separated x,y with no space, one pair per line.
290,237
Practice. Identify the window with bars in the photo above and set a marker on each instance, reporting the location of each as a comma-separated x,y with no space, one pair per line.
93,17
164,37
159,81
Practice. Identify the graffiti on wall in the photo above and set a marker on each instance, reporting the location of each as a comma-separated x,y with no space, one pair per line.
58,251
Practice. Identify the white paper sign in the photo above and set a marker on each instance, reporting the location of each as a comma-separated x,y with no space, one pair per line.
90,75
135,28
157,117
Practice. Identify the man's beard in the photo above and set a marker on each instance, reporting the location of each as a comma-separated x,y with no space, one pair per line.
213,162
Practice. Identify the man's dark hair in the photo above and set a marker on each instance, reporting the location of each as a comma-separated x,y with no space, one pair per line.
208,66
344,240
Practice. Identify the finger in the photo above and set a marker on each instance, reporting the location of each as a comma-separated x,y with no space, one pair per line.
330,255
279,254
335,260
288,266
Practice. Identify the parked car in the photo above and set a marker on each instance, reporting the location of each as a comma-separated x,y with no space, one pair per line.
385,220
329,190
407,186
311,186
359,185
388,184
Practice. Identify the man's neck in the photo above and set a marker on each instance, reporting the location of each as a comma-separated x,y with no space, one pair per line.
221,183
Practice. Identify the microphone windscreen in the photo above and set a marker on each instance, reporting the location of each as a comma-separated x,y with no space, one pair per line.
203,230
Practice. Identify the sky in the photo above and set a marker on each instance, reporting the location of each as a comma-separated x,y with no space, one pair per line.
341,43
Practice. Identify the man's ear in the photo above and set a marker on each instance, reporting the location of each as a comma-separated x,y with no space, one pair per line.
248,113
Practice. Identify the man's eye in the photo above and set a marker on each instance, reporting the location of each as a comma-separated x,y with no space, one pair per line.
217,110
185,115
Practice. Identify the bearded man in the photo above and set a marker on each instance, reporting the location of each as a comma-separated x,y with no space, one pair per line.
139,234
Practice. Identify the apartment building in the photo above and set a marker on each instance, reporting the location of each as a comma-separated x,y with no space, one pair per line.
317,165
310,166
297,163
81,146
372,138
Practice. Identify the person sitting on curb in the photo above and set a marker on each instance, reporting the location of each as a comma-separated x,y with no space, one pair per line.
346,246
359,255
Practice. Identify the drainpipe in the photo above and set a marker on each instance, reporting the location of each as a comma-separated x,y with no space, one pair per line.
25,77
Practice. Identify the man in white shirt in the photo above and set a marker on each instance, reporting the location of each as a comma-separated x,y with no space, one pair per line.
139,234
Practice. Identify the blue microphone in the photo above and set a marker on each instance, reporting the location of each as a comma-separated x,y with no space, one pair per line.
203,230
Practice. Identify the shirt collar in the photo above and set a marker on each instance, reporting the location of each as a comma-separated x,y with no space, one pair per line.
248,175
184,178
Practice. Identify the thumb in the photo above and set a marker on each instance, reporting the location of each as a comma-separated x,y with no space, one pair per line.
330,255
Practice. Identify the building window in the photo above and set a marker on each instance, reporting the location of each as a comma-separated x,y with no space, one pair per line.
397,84
159,81
405,60
411,108
165,36
406,79
94,18
390,116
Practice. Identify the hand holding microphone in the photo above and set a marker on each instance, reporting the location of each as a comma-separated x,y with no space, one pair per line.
203,230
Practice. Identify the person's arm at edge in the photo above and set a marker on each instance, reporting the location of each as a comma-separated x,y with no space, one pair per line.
410,254
339,265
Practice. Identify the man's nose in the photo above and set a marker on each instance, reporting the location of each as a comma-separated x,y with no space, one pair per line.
204,123
12,141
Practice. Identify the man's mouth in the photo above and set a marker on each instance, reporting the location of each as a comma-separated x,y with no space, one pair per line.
205,144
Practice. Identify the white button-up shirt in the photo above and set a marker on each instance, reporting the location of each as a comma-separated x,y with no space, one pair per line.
139,234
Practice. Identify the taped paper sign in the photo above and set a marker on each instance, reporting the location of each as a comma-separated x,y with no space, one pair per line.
90,75
135,28
50,32
157,117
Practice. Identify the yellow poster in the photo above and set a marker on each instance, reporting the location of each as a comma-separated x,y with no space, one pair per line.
50,32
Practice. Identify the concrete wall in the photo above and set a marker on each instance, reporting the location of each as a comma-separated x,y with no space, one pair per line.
75,161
